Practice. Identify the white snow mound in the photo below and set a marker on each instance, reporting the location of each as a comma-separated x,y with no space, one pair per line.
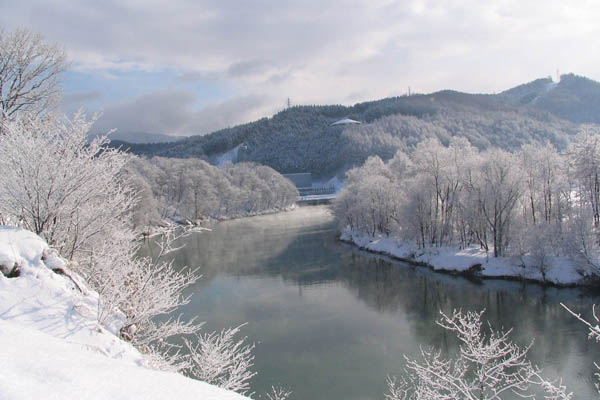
25,250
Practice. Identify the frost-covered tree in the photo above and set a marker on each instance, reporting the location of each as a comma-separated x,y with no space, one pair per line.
545,183
192,189
370,200
438,182
497,189
489,365
585,164
30,70
222,360
58,185
458,196
143,288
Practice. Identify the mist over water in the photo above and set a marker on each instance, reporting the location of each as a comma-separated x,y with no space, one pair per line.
331,322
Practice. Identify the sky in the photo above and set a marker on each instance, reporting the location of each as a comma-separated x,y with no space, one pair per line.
188,67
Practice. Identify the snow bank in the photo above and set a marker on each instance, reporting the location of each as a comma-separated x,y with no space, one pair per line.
39,366
24,250
52,346
473,260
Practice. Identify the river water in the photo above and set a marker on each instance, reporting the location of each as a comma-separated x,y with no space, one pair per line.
331,322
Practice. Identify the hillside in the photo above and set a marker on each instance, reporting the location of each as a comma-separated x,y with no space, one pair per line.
303,139
573,98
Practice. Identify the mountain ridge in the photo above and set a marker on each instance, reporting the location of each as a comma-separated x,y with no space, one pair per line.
302,139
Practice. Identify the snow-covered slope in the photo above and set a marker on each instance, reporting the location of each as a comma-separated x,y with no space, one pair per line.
228,156
51,346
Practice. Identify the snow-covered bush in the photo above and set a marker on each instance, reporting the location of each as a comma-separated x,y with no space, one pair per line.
279,393
488,366
141,287
222,360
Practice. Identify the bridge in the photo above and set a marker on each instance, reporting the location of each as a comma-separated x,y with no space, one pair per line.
316,195
308,193
318,199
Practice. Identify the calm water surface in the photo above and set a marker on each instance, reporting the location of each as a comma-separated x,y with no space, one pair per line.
331,322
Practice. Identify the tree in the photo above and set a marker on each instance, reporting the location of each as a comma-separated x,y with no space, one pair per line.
221,360
585,163
497,188
56,184
488,366
30,72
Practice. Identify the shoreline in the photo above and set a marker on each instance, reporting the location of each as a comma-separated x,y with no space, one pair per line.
471,263
210,221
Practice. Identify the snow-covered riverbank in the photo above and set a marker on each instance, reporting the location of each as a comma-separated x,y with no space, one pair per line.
53,347
472,261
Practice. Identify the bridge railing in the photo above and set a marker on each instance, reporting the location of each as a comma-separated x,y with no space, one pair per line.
316,191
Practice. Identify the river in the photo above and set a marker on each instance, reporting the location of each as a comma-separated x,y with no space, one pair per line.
331,322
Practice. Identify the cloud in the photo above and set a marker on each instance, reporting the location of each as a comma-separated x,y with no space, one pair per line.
78,97
172,112
245,68
71,102
322,52
199,76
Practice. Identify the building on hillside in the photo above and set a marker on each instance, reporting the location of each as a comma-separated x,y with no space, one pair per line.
346,121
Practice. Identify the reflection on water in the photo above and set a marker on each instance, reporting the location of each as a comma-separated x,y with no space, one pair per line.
331,322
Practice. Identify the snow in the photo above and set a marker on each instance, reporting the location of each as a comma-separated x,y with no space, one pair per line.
547,88
560,271
228,156
52,346
21,248
550,86
345,121
40,366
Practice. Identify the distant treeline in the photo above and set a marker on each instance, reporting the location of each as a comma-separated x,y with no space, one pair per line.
192,189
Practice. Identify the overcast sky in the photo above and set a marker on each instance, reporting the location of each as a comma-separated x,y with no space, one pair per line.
190,67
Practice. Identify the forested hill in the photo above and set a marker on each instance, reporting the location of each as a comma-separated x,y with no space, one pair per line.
302,139
574,98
